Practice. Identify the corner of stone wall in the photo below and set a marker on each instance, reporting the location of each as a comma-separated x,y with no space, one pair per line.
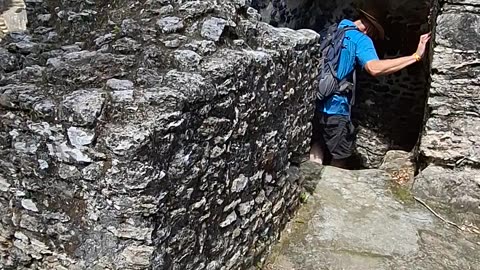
161,138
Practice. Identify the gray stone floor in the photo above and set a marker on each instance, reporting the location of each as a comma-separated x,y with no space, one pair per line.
353,220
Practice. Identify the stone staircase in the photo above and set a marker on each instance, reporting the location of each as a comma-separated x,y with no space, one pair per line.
356,220
3,28
13,17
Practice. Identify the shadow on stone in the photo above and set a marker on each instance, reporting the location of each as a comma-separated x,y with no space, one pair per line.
311,173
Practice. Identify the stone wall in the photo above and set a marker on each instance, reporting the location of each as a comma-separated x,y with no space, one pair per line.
297,14
450,144
13,17
149,135
389,110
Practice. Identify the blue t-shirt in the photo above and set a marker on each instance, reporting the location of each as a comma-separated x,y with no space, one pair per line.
358,50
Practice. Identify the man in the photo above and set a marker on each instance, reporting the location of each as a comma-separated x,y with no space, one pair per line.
333,132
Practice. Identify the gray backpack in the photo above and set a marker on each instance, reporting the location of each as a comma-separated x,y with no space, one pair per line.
330,48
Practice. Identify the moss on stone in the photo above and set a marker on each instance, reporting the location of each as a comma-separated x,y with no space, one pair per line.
304,197
402,193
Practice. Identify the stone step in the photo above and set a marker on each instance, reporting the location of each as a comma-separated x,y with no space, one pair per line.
354,220
13,17
3,28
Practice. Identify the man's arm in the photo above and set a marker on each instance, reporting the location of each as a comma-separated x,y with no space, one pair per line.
389,66
385,67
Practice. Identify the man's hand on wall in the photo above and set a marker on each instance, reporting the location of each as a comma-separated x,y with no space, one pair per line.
422,44
389,66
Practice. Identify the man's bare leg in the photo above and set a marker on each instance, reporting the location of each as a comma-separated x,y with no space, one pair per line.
339,163
316,153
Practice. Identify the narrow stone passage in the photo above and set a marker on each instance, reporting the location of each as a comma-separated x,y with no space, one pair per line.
354,221
389,110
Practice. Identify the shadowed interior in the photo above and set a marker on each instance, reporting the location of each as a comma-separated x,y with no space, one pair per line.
390,109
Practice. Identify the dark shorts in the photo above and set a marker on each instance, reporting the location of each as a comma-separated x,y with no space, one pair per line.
336,133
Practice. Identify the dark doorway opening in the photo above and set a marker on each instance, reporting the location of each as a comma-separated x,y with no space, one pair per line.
390,110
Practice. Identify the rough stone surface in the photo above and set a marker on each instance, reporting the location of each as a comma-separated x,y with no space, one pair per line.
452,127
150,135
399,165
212,28
170,24
83,107
163,137
79,137
353,221
459,187
449,146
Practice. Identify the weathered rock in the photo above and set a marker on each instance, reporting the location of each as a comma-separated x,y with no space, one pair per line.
399,165
203,47
83,107
353,221
187,59
80,137
128,231
29,205
68,172
64,153
138,257
4,185
212,28
122,90
459,188
245,208
119,85
93,171
239,184
170,24
229,220
161,137
449,143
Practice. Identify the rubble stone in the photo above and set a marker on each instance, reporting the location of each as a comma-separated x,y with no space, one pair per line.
141,141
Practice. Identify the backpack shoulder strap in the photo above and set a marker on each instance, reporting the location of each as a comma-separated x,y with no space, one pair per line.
347,28
327,36
338,45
